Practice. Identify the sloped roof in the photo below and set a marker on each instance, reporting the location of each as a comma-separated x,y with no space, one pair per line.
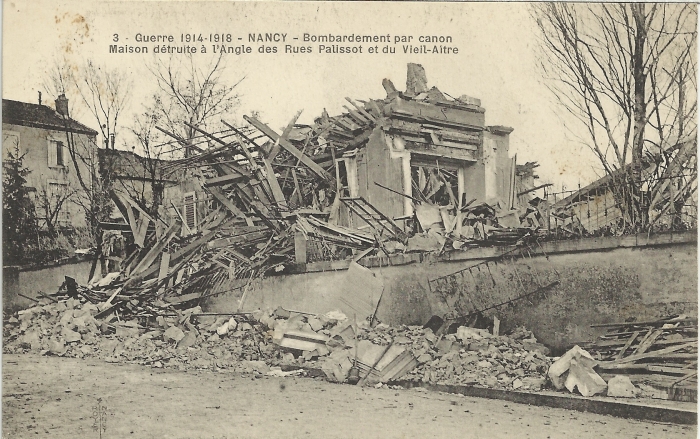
129,165
40,116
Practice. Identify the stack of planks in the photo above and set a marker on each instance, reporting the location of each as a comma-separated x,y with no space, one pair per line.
663,351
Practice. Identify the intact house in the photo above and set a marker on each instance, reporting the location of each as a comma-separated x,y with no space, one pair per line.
43,135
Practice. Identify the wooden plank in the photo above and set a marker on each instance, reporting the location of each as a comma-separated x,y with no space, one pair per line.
357,116
644,323
297,188
658,353
648,342
274,185
148,259
614,344
224,179
269,132
223,199
285,135
361,110
250,237
164,265
347,125
627,345
300,247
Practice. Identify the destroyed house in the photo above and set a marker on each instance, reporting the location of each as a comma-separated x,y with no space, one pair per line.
415,171
418,146
155,184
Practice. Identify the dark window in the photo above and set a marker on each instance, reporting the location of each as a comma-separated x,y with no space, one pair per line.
59,154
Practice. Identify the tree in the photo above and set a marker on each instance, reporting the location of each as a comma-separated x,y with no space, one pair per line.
194,93
19,226
105,94
147,186
626,74
51,201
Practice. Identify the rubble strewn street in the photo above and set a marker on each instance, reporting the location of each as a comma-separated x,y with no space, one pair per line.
233,219
284,343
254,343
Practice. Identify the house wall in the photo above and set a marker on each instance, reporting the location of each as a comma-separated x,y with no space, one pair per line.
379,166
497,166
35,143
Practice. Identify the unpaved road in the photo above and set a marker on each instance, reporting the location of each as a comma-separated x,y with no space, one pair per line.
54,398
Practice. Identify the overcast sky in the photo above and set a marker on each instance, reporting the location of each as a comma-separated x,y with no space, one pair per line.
496,61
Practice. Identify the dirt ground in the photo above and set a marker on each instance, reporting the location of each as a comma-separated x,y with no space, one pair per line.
54,397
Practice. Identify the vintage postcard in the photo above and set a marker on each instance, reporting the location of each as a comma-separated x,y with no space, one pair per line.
262,219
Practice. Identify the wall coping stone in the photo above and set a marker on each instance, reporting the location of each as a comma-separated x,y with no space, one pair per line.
595,244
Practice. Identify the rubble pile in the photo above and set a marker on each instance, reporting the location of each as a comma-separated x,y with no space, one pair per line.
69,329
254,343
471,356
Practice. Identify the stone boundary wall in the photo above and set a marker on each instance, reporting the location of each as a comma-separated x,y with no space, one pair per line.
600,280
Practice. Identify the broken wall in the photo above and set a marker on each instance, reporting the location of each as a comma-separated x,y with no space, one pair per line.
381,167
498,166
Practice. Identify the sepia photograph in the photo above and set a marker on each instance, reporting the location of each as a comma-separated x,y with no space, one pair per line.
317,219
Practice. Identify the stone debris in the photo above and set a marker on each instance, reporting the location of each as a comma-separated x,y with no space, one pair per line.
620,386
490,361
581,376
184,341
255,344
574,371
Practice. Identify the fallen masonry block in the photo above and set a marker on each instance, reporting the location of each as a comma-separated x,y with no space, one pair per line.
302,340
337,366
70,336
583,377
57,347
621,386
466,333
230,325
557,371
188,340
277,372
173,333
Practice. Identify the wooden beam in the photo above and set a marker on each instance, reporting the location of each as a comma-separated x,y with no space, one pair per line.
285,134
357,116
224,179
627,345
274,185
306,160
300,243
223,199
360,109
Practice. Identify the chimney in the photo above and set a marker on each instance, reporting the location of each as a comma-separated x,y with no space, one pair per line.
62,105
416,81
39,97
